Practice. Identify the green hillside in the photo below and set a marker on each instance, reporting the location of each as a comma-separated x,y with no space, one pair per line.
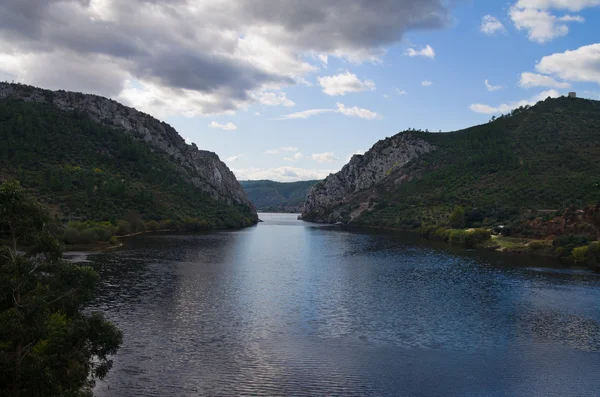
84,170
277,196
545,157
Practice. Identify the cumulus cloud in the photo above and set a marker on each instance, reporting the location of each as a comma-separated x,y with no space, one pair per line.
356,112
427,52
401,92
208,57
491,87
541,25
529,80
343,83
235,158
273,99
340,108
227,127
580,65
426,83
491,25
296,157
326,157
281,174
507,107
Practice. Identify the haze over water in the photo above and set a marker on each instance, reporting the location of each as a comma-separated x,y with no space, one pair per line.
288,308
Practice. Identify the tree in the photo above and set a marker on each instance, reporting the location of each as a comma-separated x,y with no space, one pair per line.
48,346
457,217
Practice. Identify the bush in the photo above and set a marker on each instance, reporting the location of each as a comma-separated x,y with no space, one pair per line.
580,253
113,240
457,217
535,245
71,236
152,226
88,236
123,228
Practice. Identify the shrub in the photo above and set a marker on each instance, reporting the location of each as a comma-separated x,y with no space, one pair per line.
152,226
113,240
88,236
580,253
457,217
123,228
71,235
535,245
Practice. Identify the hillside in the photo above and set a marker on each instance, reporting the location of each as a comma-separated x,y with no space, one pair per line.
269,196
91,158
545,157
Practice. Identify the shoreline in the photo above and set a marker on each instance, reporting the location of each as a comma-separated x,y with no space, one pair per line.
506,245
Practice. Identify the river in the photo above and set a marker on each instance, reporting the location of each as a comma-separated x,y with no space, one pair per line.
289,308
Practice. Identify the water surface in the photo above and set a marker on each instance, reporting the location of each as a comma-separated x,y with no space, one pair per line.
288,308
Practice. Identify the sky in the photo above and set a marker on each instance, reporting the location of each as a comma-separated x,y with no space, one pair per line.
289,90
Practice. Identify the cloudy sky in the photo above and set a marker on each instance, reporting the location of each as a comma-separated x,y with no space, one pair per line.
290,89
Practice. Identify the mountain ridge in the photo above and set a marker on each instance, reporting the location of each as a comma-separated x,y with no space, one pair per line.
92,158
535,157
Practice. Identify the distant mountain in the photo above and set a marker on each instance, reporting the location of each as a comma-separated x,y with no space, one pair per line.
544,157
277,196
91,158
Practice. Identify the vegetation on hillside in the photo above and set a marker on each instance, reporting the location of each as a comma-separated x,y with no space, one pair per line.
48,345
539,158
85,171
269,196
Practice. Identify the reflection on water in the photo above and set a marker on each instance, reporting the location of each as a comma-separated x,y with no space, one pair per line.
289,308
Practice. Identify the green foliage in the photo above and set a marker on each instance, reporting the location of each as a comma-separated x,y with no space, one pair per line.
535,245
457,217
580,253
543,157
84,170
123,228
277,196
48,345
568,243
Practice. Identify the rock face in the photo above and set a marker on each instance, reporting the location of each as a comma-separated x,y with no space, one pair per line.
202,168
361,173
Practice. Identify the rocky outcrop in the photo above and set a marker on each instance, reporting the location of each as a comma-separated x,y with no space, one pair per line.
361,173
202,168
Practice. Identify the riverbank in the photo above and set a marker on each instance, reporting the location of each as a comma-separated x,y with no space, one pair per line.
566,249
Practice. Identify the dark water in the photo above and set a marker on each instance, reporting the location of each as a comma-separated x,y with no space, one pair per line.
293,309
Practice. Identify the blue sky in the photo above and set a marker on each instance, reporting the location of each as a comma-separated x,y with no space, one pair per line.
286,97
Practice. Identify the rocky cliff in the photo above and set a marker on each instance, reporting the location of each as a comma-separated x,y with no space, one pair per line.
202,168
385,158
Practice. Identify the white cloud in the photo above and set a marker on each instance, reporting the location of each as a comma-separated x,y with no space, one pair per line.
326,157
227,127
492,87
282,174
257,114
491,25
340,108
580,65
282,149
208,57
426,83
343,83
529,80
401,92
296,157
273,99
235,158
570,5
304,114
541,25
507,107
356,112
426,51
